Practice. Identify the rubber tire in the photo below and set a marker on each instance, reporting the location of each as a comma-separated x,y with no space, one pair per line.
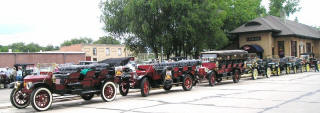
143,81
104,98
236,80
287,70
32,98
15,104
167,87
124,93
184,80
212,82
255,74
87,96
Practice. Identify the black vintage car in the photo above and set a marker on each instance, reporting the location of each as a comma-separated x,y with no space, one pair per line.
262,68
274,65
289,64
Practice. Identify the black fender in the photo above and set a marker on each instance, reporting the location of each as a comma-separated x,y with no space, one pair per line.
40,84
108,78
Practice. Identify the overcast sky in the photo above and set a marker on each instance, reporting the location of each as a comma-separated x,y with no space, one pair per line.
53,21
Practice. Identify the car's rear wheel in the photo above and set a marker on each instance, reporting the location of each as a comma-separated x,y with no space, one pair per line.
295,69
255,74
19,99
124,88
236,76
145,87
87,96
187,82
41,99
212,79
108,92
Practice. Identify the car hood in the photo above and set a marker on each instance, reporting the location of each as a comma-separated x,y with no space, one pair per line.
36,78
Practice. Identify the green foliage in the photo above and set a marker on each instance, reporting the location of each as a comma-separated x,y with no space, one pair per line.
242,11
106,40
288,6
77,41
22,47
179,27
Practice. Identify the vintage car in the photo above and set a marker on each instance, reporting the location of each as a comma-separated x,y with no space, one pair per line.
217,65
156,75
306,61
83,80
290,64
274,66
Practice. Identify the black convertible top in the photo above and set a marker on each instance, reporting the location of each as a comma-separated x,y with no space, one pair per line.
116,61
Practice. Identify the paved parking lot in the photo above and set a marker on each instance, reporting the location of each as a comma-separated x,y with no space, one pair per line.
296,93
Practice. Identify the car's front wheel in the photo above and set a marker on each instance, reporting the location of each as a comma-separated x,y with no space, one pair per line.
19,99
87,96
41,99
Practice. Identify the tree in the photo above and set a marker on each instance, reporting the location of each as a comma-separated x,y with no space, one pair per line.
106,40
288,7
180,27
241,11
77,41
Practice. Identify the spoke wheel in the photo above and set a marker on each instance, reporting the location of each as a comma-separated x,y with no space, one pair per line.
236,76
268,75
145,87
212,79
295,69
288,70
278,71
108,92
124,88
41,99
19,99
308,67
187,83
255,74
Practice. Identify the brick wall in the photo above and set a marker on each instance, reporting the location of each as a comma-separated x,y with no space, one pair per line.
9,59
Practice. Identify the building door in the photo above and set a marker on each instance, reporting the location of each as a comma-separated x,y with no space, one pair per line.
281,49
88,58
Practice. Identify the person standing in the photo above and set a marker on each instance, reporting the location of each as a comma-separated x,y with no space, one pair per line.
13,74
19,74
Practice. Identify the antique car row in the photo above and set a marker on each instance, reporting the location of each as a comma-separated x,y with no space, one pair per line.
101,78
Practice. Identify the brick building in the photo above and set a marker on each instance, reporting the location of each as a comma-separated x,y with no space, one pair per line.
9,59
273,37
98,52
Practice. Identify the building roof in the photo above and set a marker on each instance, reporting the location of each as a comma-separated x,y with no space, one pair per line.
279,27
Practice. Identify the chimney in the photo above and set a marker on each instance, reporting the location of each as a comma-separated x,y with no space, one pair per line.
10,51
40,51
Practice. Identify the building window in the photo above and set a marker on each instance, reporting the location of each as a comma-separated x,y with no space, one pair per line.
107,51
308,47
281,49
294,48
253,38
94,51
94,59
119,52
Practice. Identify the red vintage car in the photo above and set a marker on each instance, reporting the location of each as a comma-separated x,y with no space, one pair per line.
217,65
156,75
83,80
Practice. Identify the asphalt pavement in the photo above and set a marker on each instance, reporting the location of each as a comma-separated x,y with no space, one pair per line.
294,93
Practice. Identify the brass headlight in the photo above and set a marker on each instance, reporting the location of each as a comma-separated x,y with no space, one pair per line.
118,73
28,86
17,85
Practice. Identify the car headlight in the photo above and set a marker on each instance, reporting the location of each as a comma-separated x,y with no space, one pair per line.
17,85
29,84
